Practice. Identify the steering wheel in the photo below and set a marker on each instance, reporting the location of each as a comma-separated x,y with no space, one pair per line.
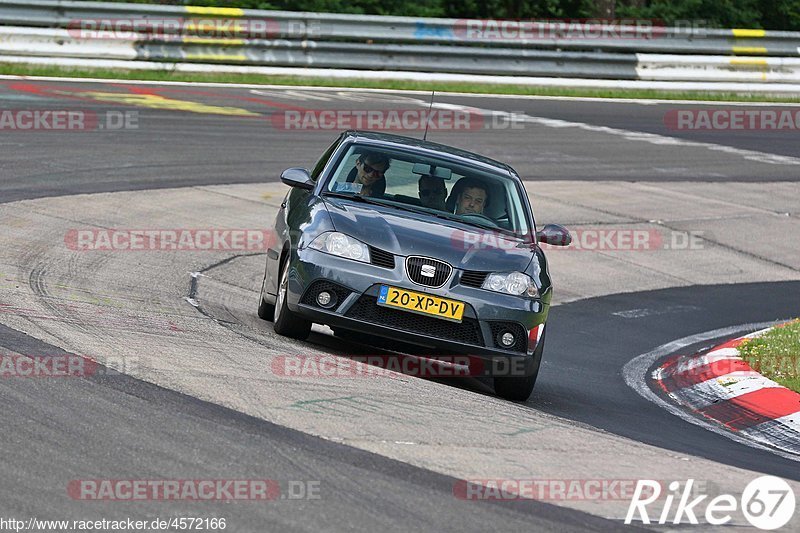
482,217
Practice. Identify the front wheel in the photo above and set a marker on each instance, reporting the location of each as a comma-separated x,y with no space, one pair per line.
288,323
265,311
519,389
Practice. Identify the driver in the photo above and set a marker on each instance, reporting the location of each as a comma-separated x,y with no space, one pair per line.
473,198
370,172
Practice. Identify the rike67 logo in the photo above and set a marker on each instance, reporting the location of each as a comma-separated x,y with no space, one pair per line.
767,503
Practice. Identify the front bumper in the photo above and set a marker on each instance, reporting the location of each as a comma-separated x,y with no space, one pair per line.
355,288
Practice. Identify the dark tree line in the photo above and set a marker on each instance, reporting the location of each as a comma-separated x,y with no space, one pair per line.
767,14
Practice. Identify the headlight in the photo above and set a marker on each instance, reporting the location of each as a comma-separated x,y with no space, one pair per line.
336,243
515,283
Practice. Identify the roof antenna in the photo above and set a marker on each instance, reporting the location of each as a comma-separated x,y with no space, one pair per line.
428,118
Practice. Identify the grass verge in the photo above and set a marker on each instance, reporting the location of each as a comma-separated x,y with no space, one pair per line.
147,75
776,355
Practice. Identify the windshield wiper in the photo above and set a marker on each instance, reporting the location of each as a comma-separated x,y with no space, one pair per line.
354,197
374,201
456,218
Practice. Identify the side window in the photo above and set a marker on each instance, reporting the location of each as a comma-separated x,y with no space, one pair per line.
324,159
343,170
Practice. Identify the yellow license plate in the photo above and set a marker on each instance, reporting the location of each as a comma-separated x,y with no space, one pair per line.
424,304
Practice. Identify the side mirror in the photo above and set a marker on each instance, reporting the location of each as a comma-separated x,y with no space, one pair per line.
297,177
555,235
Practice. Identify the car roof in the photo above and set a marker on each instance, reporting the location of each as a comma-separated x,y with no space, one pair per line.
391,140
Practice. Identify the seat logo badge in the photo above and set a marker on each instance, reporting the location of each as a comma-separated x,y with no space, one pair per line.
428,271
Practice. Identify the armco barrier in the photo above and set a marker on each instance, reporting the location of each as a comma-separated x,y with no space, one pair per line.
718,68
495,61
56,42
52,28
688,39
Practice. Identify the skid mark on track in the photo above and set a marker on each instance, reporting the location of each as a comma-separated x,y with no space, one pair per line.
326,405
78,307
355,406
508,425
523,431
669,310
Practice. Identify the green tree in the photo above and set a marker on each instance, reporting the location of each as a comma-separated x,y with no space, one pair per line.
717,13
518,9
780,14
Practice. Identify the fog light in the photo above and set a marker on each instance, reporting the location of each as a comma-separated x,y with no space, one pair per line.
507,339
324,298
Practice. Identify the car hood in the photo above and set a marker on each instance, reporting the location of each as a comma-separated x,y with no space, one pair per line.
405,233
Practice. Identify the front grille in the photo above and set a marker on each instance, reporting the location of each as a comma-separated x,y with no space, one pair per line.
381,258
310,296
521,343
416,266
473,278
367,309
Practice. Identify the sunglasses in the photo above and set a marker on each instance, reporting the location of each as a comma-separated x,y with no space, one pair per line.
431,192
370,170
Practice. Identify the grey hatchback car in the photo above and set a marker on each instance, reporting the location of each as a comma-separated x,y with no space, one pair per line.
417,242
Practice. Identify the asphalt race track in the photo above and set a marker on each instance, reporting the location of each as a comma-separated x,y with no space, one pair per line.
174,148
387,453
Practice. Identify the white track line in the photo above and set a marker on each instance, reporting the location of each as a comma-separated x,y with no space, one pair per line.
630,135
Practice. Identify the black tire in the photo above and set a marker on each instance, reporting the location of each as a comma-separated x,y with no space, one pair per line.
265,311
519,389
288,323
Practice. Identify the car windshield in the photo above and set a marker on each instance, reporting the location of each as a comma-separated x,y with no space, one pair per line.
431,185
